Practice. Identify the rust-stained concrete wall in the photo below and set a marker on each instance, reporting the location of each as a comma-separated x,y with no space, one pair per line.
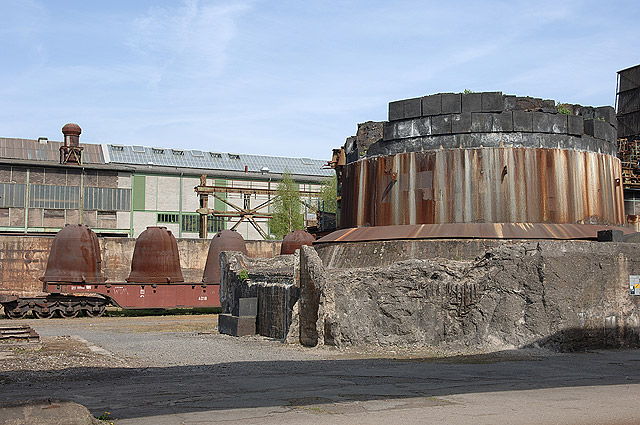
23,260
263,249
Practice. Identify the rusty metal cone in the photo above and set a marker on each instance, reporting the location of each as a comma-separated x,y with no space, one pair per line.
155,258
295,240
226,240
74,256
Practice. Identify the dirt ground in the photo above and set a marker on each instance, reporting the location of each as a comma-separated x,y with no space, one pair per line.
179,370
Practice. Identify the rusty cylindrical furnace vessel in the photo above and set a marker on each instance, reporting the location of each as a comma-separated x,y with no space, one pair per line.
487,158
155,258
74,256
226,240
295,240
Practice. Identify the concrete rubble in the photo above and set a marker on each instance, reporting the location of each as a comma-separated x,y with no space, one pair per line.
46,412
563,295
560,295
270,280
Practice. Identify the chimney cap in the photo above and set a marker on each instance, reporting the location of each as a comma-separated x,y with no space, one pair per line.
71,129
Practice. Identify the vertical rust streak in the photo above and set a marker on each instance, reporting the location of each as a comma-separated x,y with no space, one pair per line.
586,189
521,189
484,185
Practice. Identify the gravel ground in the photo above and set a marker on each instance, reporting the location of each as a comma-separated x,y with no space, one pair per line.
158,341
164,341
179,370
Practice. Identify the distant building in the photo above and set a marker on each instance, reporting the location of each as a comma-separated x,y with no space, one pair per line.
120,190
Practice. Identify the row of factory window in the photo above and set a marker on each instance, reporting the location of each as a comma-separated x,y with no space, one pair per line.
65,197
191,222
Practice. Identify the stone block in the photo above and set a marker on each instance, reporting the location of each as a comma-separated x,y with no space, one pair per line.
596,128
465,141
431,105
509,102
431,143
404,109
492,102
610,235
422,126
542,122
528,103
558,123
549,106
575,125
551,141
461,123
587,112
403,129
412,144
441,124
471,102
492,140
613,148
388,131
571,142
503,122
632,238
446,141
611,134
248,306
588,143
523,121
481,122
608,114
451,103
589,126
236,325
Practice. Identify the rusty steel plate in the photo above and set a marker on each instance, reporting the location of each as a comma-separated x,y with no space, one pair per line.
483,185
564,231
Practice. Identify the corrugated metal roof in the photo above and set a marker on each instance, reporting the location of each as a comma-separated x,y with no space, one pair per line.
33,150
142,155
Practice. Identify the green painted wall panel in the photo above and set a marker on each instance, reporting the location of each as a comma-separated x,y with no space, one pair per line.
138,193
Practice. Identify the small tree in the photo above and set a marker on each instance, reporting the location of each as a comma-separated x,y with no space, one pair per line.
329,194
286,210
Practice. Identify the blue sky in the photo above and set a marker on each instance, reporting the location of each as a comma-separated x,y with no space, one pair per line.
289,78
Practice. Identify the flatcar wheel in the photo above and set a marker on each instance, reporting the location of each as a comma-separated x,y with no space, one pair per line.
69,314
42,314
15,314
94,313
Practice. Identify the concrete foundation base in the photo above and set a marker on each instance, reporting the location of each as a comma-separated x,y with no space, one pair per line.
563,295
236,325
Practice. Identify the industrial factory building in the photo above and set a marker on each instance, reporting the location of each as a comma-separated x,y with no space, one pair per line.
119,190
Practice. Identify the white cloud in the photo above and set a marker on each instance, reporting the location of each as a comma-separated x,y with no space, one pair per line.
188,41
